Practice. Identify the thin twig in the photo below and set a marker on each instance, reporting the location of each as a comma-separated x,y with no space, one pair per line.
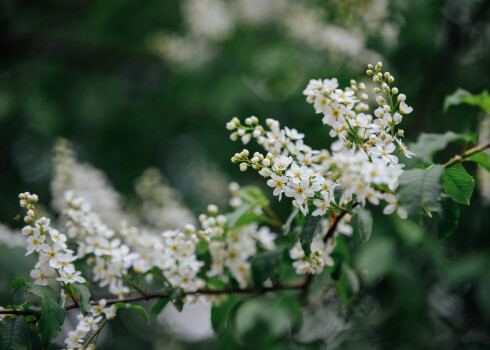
335,222
461,157
148,296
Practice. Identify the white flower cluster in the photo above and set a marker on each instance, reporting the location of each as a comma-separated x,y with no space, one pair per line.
232,249
95,239
88,325
55,259
318,259
363,164
161,205
172,251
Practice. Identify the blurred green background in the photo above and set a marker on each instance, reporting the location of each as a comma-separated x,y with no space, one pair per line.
137,84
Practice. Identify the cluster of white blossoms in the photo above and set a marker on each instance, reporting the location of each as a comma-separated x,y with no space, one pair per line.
209,22
132,248
232,249
363,164
96,240
55,260
81,337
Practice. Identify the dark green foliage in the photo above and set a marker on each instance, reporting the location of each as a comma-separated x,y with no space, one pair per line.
310,229
266,265
458,183
14,334
419,190
83,294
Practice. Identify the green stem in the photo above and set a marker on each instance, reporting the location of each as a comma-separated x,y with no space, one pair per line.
95,334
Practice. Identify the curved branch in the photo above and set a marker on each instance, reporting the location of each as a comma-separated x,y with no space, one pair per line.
148,296
461,157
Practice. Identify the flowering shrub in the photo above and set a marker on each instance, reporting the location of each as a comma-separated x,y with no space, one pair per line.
250,250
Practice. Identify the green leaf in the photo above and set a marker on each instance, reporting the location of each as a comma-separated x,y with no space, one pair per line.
254,195
420,189
139,310
482,159
310,229
177,299
248,218
158,307
481,100
83,294
18,282
347,284
14,334
52,314
233,217
266,264
428,144
458,183
221,315
363,224
120,305
448,217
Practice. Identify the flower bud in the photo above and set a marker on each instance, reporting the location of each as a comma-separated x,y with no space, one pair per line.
243,166
212,209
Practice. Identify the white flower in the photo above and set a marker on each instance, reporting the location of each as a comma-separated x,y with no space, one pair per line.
67,277
34,243
300,191
405,109
389,209
55,253
404,149
282,162
296,173
279,183
42,274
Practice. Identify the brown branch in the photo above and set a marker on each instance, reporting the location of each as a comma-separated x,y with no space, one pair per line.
335,222
461,157
148,296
